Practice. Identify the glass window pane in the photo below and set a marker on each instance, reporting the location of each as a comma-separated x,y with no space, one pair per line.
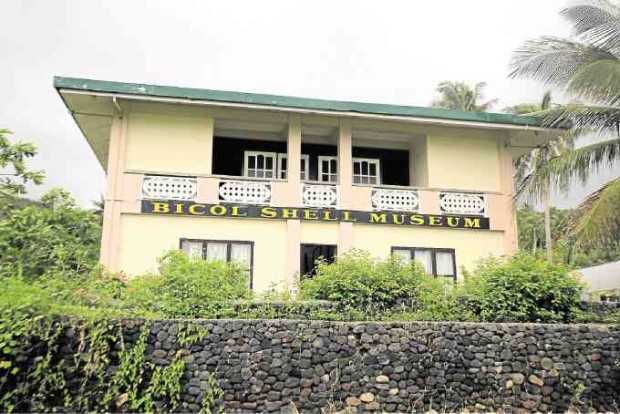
403,254
251,161
269,163
373,169
333,166
356,168
356,179
424,258
260,161
193,249
241,253
445,263
283,164
216,251
251,173
373,180
325,177
364,168
268,174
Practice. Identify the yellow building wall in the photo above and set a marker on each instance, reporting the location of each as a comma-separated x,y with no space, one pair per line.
144,238
169,143
463,163
470,245
319,233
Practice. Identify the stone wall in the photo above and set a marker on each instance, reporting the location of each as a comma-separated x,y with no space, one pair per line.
267,365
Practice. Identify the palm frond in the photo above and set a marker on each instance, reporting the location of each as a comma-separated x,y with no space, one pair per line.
597,220
597,81
554,61
567,168
592,118
585,17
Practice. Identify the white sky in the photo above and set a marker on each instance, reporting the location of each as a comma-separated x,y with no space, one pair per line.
374,51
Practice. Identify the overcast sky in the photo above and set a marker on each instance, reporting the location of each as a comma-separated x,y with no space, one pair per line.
374,51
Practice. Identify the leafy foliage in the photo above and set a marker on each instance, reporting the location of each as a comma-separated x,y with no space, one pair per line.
187,288
53,235
14,174
587,66
461,96
522,289
359,281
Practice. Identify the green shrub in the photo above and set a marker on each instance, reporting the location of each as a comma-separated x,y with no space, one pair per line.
357,280
49,236
522,289
187,288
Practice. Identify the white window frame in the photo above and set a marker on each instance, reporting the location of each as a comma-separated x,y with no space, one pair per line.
376,162
305,159
274,155
330,173
228,243
433,252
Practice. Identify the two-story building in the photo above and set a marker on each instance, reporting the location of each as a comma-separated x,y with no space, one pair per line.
275,182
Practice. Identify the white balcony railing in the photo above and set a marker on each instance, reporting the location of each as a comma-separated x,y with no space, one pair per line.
395,200
463,203
161,187
247,192
320,195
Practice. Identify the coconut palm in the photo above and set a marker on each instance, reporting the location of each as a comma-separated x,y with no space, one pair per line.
537,158
587,67
459,95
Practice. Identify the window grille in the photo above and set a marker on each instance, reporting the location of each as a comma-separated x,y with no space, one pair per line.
247,192
366,171
318,195
463,203
169,188
395,200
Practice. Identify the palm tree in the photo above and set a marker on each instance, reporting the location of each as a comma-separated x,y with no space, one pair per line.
586,66
528,164
459,95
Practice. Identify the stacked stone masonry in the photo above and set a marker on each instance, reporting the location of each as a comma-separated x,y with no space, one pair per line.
271,365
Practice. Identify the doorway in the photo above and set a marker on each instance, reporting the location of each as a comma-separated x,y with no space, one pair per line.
310,253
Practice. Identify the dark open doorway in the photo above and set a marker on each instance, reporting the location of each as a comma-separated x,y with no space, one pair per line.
310,253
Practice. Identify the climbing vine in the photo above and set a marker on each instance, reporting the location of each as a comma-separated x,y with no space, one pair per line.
55,364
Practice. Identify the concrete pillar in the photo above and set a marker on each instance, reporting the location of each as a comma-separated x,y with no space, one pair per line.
345,161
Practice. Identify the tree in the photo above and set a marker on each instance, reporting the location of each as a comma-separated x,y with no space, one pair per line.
459,95
537,158
13,172
586,66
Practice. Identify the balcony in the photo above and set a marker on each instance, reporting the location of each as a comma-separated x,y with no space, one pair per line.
320,195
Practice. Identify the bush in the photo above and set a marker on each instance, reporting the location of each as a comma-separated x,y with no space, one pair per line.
356,280
49,236
522,289
187,288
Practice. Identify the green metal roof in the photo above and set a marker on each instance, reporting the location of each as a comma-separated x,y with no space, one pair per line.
289,101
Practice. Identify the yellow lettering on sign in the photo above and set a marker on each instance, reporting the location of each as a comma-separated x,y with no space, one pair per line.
434,221
268,212
178,208
472,223
289,213
346,216
218,210
453,221
311,215
327,216
193,209
416,220
398,218
378,218
161,208
236,213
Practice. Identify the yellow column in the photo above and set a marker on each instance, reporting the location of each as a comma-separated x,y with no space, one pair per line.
506,184
110,237
209,138
293,252
345,175
294,160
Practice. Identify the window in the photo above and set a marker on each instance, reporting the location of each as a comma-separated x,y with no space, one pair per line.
221,250
283,166
436,262
310,253
328,169
366,171
260,164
